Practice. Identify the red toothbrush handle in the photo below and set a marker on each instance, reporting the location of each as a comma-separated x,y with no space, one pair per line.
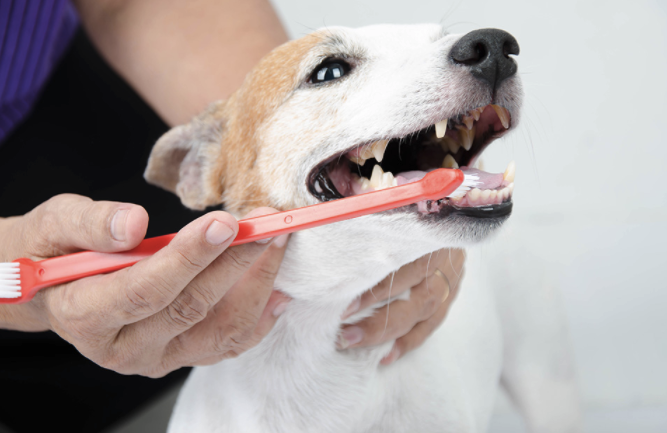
434,186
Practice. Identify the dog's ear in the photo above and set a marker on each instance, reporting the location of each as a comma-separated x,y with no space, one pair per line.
182,160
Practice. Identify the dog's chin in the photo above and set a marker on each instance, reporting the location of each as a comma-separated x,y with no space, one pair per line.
452,226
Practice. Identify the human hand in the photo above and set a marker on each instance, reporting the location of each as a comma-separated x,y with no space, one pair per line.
434,280
195,302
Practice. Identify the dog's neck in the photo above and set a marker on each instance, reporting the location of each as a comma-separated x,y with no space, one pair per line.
324,276
323,266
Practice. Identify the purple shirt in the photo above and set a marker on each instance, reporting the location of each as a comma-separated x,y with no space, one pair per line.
33,36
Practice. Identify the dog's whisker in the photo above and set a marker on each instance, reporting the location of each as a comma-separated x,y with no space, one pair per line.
428,264
386,319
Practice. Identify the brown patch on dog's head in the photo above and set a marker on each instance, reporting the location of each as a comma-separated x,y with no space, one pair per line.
212,160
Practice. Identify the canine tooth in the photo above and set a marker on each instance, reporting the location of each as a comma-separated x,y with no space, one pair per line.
503,115
359,161
510,187
467,137
441,128
449,162
474,194
468,121
376,176
318,188
476,113
508,176
378,149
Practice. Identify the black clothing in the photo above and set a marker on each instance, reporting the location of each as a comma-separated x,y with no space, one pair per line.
89,134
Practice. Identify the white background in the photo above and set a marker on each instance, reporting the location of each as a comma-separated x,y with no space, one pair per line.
590,201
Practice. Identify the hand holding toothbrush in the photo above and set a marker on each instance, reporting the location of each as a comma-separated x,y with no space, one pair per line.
193,303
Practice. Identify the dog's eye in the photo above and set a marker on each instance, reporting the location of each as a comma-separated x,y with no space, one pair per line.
330,70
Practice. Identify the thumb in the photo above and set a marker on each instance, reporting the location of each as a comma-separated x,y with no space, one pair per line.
68,223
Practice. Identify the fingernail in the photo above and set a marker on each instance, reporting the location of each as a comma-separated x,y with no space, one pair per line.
264,241
280,309
118,224
350,336
353,308
391,356
218,232
281,241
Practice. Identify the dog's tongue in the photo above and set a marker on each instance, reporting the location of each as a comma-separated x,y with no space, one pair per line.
486,180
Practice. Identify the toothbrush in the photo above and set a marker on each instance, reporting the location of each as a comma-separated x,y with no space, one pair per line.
21,279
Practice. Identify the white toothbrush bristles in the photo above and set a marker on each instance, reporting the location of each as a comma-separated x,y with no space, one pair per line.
469,183
10,281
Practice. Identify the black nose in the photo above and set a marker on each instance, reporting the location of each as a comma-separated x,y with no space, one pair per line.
487,53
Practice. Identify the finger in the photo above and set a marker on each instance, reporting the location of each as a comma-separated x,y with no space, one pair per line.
67,223
242,317
394,284
397,318
274,308
153,283
450,262
422,330
208,287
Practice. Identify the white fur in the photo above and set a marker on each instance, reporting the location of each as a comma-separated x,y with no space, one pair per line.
295,380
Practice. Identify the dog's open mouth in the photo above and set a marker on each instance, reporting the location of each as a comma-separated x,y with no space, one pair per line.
456,142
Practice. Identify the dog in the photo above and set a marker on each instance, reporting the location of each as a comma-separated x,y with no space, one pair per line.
341,112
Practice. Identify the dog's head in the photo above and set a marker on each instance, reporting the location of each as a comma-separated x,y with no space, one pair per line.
344,111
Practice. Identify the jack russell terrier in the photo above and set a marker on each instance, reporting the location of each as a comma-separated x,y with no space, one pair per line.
337,113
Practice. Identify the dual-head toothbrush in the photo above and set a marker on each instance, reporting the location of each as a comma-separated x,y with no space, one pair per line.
21,279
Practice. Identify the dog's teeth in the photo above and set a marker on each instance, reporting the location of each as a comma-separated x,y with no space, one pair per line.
493,195
476,113
468,121
388,180
508,176
503,115
366,152
441,128
376,176
365,183
449,144
467,137
378,149
486,194
510,187
318,188
359,161
449,162
474,194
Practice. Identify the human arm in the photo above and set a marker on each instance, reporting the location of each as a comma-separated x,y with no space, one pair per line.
181,55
